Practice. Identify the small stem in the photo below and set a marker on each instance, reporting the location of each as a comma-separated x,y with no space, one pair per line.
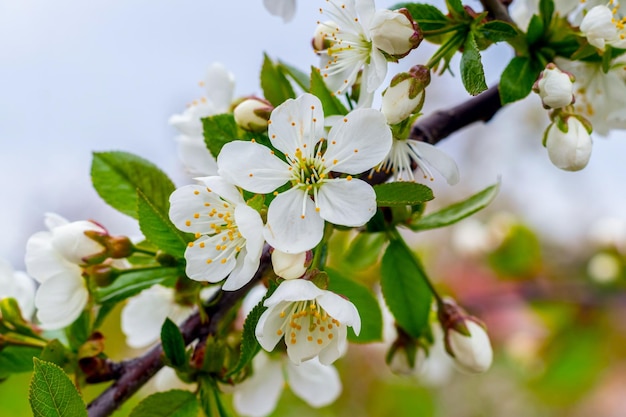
442,30
144,251
395,235
451,44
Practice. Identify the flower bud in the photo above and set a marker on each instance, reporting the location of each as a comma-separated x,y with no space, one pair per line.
322,35
555,87
405,94
465,339
569,143
395,32
73,243
252,114
290,265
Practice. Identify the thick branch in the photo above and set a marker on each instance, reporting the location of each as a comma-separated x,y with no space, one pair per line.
442,123
136,372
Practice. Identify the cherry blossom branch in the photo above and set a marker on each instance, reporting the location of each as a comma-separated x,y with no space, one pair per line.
134,373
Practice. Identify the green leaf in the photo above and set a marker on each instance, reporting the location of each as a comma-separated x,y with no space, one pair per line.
427,16
301,78
117,176
404,287
402,194
210,399
546,11
52,393
365,303
472,72
249,344
364,250
330,102
457,211
456,9
173,343
156,226
174,403
518,78
535,29
497,31
133,282
11,316
17,359
276,87
80,330
218,130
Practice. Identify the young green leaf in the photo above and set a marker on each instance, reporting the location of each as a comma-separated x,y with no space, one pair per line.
456,9
156,226
12,315
17,359
402,194
472,72
173,344
518,78
52,393
330,102
404,287
133,282
276,87
535,29
497,31
117,176
427,16
174,403
365,303
458,211
218,130
546,11
364,250
295,74
54,352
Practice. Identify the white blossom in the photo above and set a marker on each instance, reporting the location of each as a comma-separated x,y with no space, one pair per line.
219,86
600,96
555,87
53,258
359,36
603,26
472,353
281,8
295,218
569,150
17,285
229,234
312,321
318,385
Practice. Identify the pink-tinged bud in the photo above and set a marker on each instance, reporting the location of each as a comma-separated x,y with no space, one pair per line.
405,94
73,242
252,114
555,87
465,339
290,265
569,143
395,32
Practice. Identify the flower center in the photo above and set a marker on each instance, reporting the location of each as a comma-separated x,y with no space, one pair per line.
307,322
308,172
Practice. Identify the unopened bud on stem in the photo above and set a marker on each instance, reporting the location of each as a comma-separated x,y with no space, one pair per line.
405,94
555,87
395,33
569,142
252,114
290,265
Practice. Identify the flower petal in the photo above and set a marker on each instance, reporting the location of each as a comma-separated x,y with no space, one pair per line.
317,384
60,300
258,395
293,290
189,210
336,348
205,262
340,309
358,143
267,327
195,156
219,84
297,124
224,189
438,159
282,8
346,202
293,225
375,71
252,167
43,261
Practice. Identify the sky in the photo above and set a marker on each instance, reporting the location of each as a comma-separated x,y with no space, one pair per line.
78,77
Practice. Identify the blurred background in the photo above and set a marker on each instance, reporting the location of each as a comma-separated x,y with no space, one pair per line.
543,266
